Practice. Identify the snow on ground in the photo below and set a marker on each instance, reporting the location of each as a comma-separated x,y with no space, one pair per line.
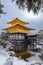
5,59
35,58
35,53
2,59
18,61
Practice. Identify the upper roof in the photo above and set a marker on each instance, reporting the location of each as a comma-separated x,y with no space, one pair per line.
17,21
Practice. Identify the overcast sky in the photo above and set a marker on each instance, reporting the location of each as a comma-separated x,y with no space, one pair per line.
12,10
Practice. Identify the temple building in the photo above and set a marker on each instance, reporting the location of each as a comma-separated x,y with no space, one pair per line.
18,32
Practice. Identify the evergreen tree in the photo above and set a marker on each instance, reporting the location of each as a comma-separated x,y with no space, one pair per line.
4,37
1,9
34,5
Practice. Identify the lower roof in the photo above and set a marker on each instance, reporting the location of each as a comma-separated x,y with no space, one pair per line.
17,25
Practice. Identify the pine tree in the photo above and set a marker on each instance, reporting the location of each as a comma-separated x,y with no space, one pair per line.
4,38
1,9
34,5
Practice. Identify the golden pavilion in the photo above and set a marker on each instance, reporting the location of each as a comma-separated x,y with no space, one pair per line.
18,32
